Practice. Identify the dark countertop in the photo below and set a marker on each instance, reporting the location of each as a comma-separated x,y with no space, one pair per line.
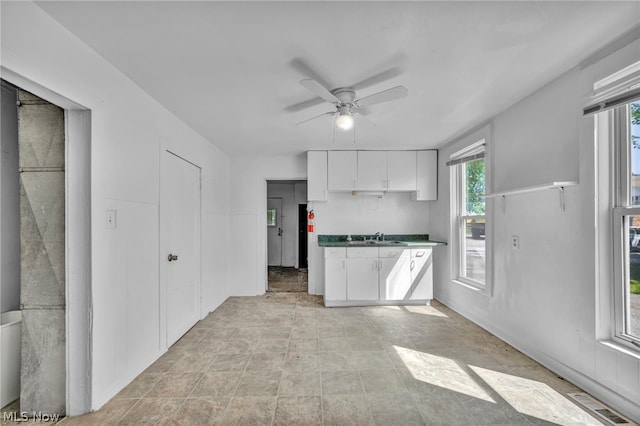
401,240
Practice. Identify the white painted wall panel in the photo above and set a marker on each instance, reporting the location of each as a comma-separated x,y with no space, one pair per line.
127,128
249,177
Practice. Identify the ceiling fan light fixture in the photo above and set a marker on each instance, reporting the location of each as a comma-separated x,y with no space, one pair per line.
344,121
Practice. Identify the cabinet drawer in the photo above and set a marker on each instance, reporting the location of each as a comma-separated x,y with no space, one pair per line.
332,252
362,252
393,252
421,252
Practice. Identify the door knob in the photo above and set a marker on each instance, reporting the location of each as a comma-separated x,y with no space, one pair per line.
172,257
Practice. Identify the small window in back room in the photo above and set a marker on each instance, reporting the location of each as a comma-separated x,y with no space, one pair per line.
271,217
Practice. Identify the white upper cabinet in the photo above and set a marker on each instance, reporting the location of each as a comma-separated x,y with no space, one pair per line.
410,171
343,170
401,170
317,176
372,170
427,176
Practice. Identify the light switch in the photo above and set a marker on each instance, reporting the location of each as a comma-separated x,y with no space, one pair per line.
111,219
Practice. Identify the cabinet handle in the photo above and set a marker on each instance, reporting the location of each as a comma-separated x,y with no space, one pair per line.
379,265
344,264
375,265
413,264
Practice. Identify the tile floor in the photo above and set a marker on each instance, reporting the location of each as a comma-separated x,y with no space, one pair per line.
283,359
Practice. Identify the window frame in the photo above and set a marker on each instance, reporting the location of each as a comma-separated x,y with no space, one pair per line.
621,207
459,217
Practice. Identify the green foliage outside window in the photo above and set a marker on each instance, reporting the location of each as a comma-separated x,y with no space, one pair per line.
475,187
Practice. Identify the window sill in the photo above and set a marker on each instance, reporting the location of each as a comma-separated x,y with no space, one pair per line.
622,348
473,287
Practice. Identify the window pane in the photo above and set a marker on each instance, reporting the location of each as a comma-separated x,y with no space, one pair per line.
632,286
271,217
474,180
635,152
473,247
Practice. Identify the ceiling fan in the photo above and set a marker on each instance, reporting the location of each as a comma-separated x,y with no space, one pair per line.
346,104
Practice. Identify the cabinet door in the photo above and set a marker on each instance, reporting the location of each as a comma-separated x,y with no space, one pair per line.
317,175
395,277
335,279
401,170
362,278
372,170
343,170
422,274
427,176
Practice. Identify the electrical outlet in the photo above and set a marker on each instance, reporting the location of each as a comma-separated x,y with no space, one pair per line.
111,219
515,242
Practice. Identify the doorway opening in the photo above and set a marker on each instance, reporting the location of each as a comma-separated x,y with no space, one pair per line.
33,285
46,256
287,236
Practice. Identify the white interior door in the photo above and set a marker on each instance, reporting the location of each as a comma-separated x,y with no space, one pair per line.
180,245
274,231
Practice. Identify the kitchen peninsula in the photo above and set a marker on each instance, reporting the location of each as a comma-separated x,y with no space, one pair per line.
361,270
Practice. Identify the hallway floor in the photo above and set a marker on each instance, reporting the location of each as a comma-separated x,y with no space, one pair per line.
284,279
284,359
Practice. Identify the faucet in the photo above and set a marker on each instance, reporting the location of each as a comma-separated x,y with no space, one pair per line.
378,236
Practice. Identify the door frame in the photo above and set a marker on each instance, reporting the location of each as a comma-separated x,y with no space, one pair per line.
165,150
262,222
78,255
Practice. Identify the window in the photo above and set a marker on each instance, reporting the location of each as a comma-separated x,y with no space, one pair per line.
468,215
271,217
626,217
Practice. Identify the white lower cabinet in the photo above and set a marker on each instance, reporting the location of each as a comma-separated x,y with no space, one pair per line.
362,273
335,273
421,273
395,273
377,275
362,279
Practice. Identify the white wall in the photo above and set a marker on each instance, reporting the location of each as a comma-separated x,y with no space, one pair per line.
344,213
544,294
9,204
128,129
248,257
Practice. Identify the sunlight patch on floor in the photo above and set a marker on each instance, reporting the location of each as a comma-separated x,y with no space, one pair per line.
442,372
416,309
533,398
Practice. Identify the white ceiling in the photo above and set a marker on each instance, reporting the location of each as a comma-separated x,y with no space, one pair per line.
231,70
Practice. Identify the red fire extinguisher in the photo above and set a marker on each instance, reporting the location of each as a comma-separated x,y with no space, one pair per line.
310,223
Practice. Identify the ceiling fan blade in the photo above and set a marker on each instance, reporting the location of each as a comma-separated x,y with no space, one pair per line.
384,96
378,78
304,104
317,116
363,117
319,90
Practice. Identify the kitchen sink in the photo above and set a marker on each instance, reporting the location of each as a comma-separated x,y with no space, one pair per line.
374,242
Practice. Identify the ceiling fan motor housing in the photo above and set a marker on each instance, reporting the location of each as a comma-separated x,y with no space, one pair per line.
345,95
